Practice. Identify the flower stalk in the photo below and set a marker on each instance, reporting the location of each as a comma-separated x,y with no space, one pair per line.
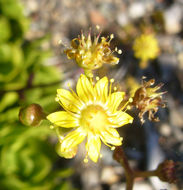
166,171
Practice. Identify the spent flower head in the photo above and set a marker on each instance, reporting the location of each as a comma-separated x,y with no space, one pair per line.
93,113
91,55
146,47
170,171
147,99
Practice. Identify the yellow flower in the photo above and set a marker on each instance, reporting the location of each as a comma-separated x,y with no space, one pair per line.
145,48
93,113
91,55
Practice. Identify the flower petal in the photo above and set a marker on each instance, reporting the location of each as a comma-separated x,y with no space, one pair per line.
62,119
114,100
93,146
84,89
72,139
69,102
120,118
111,136
101,89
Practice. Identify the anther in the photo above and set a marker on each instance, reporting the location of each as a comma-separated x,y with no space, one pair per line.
128,107
131,100
97,27
113,147
115,88
85,160
97,78
111,36
69,84
57,99
111,80
119,51
52,127
60,42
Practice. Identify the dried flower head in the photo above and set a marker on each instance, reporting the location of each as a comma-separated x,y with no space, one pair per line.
93,113
145,47
169,171
92,55
147,99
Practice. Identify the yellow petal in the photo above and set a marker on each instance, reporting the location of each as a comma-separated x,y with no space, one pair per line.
101,89
68,154
72,139
69,102
93,146
84,89
120,118
111,136
114,100
62,119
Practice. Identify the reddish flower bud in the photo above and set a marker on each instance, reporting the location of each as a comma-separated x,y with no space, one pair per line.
31,115
168,171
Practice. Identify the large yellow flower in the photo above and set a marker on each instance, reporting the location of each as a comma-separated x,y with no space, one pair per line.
93,113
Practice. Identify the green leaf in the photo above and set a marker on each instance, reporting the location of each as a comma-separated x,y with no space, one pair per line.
5,31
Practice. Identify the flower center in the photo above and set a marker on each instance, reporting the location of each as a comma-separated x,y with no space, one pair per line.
93,118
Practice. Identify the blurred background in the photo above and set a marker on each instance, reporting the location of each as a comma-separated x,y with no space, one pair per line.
33,66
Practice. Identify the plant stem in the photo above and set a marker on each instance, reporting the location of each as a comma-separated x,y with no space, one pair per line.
145,173
130,174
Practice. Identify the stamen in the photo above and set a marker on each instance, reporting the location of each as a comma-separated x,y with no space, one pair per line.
110,87
69,84
60,42
112,80
113,148
125,105
119,51
97,27
52,127
86,158
111,36
97,78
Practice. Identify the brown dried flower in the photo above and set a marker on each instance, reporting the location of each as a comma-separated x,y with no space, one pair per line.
168,171
146,99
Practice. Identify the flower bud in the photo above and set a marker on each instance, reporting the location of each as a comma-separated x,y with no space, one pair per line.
67,154
168,171
31,115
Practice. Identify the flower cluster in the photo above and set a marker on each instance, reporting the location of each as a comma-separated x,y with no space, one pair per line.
93,113
147,99
145,47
